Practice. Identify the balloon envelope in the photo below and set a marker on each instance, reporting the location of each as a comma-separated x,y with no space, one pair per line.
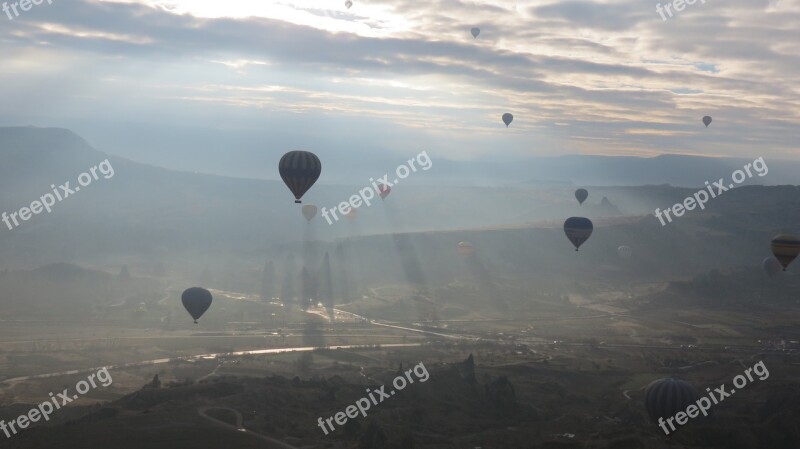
475,32
707,120
348,3
465,248
785,248
299,170
196,301
578,230
581,195
309,211
507,118
352,214
384,190
625,251
666,397
771,266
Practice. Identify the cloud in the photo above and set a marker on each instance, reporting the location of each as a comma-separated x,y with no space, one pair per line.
411,68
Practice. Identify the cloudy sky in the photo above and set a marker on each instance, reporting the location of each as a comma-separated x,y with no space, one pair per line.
216,86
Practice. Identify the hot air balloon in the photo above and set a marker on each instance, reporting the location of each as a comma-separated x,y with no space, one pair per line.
309,211
196,301
771,266
578,230
707,120
625,251
348,3
352,214
581,195
666,397
507,118
384,191
465,248
299,170
475,32
785,248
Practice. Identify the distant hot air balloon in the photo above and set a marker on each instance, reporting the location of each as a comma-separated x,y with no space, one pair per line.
578,230
196,301
384,190
309,211
666,397
785,248
707,120
465,248
348,3
771,266
353,214
507,118
581,195
625,251
299,170
475,31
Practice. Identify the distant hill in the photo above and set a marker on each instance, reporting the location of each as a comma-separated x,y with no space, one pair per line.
159,214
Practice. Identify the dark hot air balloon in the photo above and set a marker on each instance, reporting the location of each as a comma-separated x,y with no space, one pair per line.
785,248
707,120
581,195
507,118
578,230
771,266
299,170
666,397
196,301
309,211
475,31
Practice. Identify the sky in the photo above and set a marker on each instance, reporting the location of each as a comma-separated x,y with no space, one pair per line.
221,86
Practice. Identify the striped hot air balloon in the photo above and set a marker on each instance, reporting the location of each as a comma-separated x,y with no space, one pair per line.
785,248
666,397
299,170
578,230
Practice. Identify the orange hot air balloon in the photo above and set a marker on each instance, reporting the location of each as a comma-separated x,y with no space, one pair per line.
465,248
353,214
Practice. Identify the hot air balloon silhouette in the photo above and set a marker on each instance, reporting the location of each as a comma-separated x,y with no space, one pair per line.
771,266
384,191
348,3
785,248
581,195
625,251
309,211
299,170
196,301
475,31
507,118
465,248
707,120
578,230
666,397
